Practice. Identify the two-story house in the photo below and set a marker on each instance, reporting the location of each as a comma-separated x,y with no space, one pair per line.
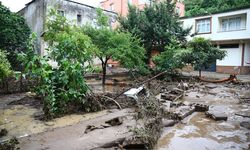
228,30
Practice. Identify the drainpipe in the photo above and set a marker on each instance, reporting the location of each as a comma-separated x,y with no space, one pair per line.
242,58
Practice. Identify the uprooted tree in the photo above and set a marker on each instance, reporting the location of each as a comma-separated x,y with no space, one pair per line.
155,25
199,52
116,45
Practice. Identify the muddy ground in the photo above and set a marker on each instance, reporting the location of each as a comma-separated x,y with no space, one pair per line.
20,113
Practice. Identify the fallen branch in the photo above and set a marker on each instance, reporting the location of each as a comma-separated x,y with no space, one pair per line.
247,116
160,74
231,78
178,97
119,106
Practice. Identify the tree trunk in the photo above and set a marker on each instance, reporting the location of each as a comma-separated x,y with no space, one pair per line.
199,72
104,73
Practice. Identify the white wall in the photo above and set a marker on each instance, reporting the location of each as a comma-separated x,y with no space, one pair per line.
233,57
216,34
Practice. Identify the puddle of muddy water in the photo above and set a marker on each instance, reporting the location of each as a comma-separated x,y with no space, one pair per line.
19,121
201,133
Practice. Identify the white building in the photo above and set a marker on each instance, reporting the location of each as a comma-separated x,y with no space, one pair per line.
37,11
228,30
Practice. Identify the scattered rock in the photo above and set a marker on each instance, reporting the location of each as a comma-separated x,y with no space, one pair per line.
168,123
115,121
184,111
216,115
201,107
211,86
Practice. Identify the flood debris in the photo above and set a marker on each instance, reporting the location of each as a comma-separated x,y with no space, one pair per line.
3,132
9,144
133,92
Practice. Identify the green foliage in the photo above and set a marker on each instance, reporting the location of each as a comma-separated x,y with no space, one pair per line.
200,7
155,25
110,43
199,52
5,68
203,53
171,58
64,84
14,33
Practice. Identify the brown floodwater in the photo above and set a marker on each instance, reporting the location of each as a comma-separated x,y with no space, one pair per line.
197,132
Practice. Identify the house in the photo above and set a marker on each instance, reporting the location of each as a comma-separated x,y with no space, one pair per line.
36,12
121,6
229,30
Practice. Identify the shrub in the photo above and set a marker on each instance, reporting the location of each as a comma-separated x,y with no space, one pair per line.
5,68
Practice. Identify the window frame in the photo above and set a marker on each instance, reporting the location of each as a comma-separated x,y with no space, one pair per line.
196,27
235,17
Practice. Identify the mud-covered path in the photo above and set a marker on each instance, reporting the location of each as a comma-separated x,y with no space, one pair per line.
73,137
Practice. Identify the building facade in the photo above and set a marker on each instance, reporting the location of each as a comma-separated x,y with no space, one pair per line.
121,6
229,31
36,13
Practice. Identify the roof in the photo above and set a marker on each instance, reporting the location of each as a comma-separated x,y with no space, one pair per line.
26,5
223,11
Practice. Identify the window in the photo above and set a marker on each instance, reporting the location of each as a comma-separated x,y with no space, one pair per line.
177,10
229,46
60,12
79,19
112,7
203,25
231,24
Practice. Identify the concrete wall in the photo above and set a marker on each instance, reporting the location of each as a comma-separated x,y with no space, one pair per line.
34,16
72,9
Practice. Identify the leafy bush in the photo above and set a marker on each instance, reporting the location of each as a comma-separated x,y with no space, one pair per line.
5,68
14,33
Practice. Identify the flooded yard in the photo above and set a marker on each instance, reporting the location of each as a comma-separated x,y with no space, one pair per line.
195,132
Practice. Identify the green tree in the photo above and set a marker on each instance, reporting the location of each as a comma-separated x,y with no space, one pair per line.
202,53
155,25
199,52
14,33
110,43
200,7
65,83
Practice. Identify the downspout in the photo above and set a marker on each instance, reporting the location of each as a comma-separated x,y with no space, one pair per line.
243,57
